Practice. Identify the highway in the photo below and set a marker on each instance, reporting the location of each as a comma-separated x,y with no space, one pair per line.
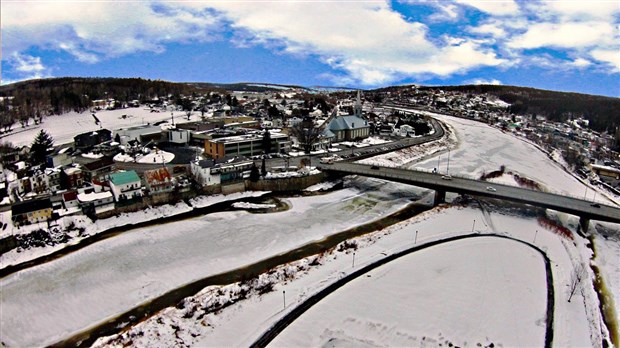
582,208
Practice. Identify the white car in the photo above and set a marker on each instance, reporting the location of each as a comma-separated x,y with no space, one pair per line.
446,177
492,189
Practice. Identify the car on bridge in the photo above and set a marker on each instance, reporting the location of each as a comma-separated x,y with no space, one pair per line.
491,189
446,177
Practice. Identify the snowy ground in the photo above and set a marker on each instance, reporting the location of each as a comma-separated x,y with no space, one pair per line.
43,304
242,322
153,157
91,228
466,292
66,126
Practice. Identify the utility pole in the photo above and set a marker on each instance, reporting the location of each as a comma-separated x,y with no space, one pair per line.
535,235
448,167
416,237
473,226
284,297
353,260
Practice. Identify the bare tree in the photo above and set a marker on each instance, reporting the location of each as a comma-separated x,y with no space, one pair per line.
579,273
307,135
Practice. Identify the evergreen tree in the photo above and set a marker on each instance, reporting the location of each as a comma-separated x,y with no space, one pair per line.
40,147
267,142
254,174
263,168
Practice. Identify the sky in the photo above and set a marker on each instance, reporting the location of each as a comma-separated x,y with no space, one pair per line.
557,45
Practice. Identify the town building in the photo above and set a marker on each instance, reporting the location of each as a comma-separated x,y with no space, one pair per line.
246,145
209,172
158,181
125,185
142,133
31,211
98,169
96,202
87,140
348,128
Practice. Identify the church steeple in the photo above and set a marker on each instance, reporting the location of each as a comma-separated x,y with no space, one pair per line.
358,105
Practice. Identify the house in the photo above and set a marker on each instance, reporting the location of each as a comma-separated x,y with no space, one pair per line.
209,172
203,172
72,177
96,202
88,140
125,185
69,199
60,158
53,179
98,169
159,181
31,211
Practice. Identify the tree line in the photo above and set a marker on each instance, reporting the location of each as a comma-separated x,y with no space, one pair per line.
19,102
603,113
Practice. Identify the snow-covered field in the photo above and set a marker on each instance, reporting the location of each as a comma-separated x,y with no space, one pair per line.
241,323
66,126
466,292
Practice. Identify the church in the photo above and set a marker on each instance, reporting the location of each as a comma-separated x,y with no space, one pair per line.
349,127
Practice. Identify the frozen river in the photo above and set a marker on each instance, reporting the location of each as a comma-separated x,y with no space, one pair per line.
50,302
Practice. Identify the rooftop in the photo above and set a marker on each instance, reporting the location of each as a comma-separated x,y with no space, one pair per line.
122,178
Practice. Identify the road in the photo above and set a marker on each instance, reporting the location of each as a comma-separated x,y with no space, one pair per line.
582,208
362,152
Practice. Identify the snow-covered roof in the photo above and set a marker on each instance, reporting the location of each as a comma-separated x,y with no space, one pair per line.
347,122
90,197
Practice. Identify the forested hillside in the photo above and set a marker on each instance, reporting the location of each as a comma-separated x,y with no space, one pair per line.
36,98
602,112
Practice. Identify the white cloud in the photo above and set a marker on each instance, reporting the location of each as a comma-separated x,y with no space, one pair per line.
492,29
92,30
611,57
581,63
27,67
369,41
482,81
498,8
579,10
566,35
365,42
447,12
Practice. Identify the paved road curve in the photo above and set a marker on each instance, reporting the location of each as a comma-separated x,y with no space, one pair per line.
575,206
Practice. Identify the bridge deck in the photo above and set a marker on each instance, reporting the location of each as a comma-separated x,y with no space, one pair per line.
571,205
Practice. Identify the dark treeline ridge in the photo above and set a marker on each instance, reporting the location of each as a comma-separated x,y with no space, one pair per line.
602,112
245,86
59,95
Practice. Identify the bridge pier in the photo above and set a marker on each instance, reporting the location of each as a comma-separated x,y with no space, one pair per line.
584,223
440,197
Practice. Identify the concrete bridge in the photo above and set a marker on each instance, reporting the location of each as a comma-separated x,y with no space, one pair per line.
586,210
